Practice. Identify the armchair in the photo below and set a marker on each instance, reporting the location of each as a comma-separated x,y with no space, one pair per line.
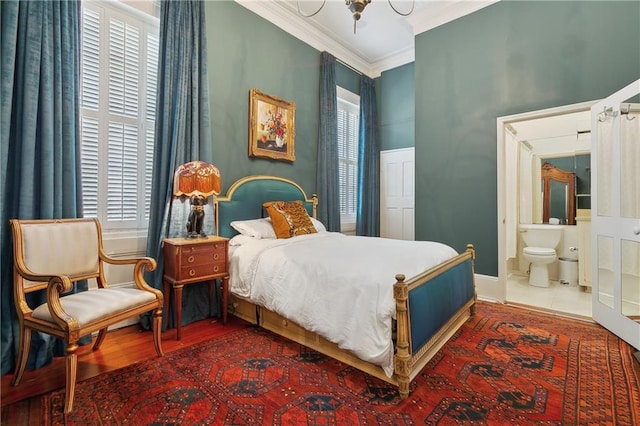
49,256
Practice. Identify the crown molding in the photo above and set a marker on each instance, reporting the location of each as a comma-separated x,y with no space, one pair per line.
398,58
292,23
289,21
444,12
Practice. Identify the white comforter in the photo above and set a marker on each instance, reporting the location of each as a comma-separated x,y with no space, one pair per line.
338,286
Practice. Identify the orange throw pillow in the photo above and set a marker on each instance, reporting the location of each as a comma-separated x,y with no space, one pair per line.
289,218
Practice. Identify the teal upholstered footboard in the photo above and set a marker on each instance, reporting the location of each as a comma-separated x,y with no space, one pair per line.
436,301
430,308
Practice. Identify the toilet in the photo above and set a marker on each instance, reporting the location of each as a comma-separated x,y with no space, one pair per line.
540,243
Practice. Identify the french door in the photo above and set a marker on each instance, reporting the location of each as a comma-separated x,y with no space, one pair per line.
615,213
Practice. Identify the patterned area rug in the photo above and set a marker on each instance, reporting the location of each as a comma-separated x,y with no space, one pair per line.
504,366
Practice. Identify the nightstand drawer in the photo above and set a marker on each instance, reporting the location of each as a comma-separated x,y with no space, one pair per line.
196,271
197,257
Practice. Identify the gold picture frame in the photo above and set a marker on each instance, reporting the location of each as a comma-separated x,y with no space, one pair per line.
271,127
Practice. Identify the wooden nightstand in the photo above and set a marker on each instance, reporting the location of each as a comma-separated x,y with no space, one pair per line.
194,260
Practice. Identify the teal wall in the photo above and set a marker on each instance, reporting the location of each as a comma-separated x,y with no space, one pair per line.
244,52
508,58
396,106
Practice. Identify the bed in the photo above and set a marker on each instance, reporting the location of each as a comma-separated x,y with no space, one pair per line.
406,316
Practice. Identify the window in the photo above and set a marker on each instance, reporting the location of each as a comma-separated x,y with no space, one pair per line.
119,57
348,127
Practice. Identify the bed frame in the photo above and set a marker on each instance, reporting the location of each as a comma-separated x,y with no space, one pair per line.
430,307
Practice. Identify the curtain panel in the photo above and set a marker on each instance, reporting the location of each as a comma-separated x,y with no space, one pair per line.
182,134
40,146
368,207
327,177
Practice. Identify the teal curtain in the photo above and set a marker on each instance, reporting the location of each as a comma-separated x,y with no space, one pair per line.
327,177
40,145
368,217
182,134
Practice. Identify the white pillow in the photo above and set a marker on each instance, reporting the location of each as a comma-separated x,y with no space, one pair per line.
257,228
240,239
318,225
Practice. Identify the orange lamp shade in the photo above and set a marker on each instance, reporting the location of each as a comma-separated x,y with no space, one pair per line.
196,178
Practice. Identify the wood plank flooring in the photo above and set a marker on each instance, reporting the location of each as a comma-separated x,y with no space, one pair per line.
121,347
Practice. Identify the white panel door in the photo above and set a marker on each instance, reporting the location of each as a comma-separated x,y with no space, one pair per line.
397,168
615,213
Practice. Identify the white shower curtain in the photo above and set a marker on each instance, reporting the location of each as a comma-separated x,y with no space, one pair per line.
630,164
605,138
526,185
511,189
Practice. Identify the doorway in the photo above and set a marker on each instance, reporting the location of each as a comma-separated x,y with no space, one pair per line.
559,137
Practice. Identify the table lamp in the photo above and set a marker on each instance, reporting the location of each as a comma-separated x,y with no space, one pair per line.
197,180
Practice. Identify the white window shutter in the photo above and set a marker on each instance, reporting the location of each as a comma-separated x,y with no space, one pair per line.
90,172
118,97
348,122
90,82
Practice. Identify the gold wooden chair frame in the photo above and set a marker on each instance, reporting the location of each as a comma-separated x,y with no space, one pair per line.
50,255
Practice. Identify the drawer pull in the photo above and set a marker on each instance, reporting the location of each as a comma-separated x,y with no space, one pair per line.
216,268
192,272
216,256
190,259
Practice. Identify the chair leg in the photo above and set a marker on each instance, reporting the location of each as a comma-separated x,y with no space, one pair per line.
101,335
157,331
23,354
71,360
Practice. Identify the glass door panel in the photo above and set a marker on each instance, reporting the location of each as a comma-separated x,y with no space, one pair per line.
630,257
605,270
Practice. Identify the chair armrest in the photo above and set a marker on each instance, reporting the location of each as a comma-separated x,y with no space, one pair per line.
57,284
60,284
140,264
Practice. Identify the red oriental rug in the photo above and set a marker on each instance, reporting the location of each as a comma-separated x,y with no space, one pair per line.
505,366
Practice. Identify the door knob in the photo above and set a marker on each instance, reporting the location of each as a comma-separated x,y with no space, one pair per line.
636,230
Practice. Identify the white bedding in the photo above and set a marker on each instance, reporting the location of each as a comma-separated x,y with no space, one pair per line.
338,286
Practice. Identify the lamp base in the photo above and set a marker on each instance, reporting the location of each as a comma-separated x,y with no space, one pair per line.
196,235
195,223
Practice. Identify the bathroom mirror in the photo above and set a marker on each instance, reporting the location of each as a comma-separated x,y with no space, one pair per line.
558,195
570,153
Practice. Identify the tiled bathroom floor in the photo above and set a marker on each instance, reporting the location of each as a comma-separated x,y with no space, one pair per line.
557,297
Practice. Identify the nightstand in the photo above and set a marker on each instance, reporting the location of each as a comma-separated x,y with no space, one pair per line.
194,260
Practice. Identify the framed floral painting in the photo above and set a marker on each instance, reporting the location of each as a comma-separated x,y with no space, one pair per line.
271,127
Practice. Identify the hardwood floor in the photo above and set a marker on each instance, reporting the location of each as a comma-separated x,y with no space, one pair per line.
122,347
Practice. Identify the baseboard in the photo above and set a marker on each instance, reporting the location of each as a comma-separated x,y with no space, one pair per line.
489,288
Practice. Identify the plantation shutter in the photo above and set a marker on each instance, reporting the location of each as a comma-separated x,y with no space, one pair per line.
348,121
89,125
118,87
122,182
152,83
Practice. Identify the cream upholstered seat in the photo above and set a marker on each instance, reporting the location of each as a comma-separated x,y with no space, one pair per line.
50,255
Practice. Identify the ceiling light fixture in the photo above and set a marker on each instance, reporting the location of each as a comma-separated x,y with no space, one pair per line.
356,7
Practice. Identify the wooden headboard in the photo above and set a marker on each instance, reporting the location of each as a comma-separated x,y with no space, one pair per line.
245,197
